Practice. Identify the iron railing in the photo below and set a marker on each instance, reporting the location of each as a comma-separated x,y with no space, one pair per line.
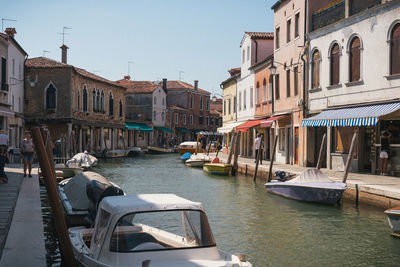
357,6
328,16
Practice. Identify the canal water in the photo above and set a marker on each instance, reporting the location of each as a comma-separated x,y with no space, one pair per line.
270,230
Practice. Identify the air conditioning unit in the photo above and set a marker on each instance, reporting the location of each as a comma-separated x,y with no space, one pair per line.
300,102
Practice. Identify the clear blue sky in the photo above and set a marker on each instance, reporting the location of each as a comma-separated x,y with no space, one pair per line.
161,37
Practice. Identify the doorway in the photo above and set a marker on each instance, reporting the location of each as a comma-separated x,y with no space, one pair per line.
296,145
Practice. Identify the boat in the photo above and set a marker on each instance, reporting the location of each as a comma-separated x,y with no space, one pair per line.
82,160
134,151
186,156
114,153
217,168
159,150
197,160
311,186
150,230
188,146
77,204
393,216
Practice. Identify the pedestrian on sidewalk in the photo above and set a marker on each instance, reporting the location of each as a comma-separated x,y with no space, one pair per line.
385,150
3,154
257,143
27,151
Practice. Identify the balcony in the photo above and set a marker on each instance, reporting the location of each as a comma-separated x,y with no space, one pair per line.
357,6
4,87
328,15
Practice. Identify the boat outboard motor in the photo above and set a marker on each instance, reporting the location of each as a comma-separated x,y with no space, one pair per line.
281,175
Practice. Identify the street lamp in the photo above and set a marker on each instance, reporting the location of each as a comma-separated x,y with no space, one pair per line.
214,98
272,69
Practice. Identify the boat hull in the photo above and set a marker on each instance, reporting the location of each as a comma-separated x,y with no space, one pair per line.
393,216
196,163
217,168
158,150
305,192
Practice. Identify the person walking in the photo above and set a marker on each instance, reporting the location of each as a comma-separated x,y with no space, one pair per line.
257,143
385,150
3,154
27,151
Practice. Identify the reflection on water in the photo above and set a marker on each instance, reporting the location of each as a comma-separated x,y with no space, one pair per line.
271,230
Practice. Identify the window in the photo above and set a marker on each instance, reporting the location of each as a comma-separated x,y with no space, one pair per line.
288,25
154,115
355,59
176,118
201,120
184,119
244,99
224,107
277,86
155,100
101,103
315,67
288,83
257,93
120,108
296,25
94,100
234,104
208,104
191,101
163,101
3,70
79,100
85,99
191,119
251,97
211,121
229,106
335,63
277,31
208,120
51,97
395,50
162,116
13,67
110,105
248,53
240,101
282,138
296,80
270,87
264,90
201,102
243,55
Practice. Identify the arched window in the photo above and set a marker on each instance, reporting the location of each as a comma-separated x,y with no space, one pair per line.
257,93
101,101
110,105
94,99
120,108
335,64
395,50
201,102
98,101
85,99
51,97
79,100
191,101
354,59
315,69
264,90
162,116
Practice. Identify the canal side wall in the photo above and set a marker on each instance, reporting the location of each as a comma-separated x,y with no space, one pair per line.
366,189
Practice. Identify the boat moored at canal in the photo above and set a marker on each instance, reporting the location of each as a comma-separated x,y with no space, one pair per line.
217,168
188,146
393,216
150,230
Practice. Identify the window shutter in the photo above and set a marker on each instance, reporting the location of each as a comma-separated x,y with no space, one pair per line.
355,60
315,69
335,62
395,50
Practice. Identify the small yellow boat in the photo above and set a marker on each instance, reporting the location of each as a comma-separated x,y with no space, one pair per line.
217,168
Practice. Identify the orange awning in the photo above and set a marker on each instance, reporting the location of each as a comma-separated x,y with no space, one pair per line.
268,122
247,125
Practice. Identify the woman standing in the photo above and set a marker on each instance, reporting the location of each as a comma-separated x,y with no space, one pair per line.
385,150
27,150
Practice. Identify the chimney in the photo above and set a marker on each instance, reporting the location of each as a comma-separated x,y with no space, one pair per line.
127,77
64,53
196,84
11,32
164,84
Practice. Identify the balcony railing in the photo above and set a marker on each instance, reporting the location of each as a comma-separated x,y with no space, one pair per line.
4,87
357,6
328,15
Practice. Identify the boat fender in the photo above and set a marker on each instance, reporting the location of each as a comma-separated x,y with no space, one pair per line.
215,160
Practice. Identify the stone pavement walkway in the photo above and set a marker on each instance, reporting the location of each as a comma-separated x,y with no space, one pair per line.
383,186
21,224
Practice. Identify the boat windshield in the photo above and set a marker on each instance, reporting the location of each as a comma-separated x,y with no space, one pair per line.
161,230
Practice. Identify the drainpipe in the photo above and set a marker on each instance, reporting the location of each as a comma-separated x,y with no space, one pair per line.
302,58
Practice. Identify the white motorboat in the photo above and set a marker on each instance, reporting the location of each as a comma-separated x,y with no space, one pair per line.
197,160
82,160
150,230
393,216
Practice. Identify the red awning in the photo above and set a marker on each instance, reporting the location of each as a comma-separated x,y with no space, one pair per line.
247,125
268,122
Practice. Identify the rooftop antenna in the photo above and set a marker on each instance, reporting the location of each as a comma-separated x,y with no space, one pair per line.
2,23
129,70
45,51
180,74
64,33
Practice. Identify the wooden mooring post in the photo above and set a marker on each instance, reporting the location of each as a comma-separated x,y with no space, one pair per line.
46,167
349,157
232,147
236,154
257,161
321,152
272,160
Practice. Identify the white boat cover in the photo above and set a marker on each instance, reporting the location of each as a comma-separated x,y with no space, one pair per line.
200,157
83,160
188,144
311,175
75,189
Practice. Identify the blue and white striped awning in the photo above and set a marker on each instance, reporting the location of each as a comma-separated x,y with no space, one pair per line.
355,116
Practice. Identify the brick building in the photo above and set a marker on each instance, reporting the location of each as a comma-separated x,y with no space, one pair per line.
86,109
